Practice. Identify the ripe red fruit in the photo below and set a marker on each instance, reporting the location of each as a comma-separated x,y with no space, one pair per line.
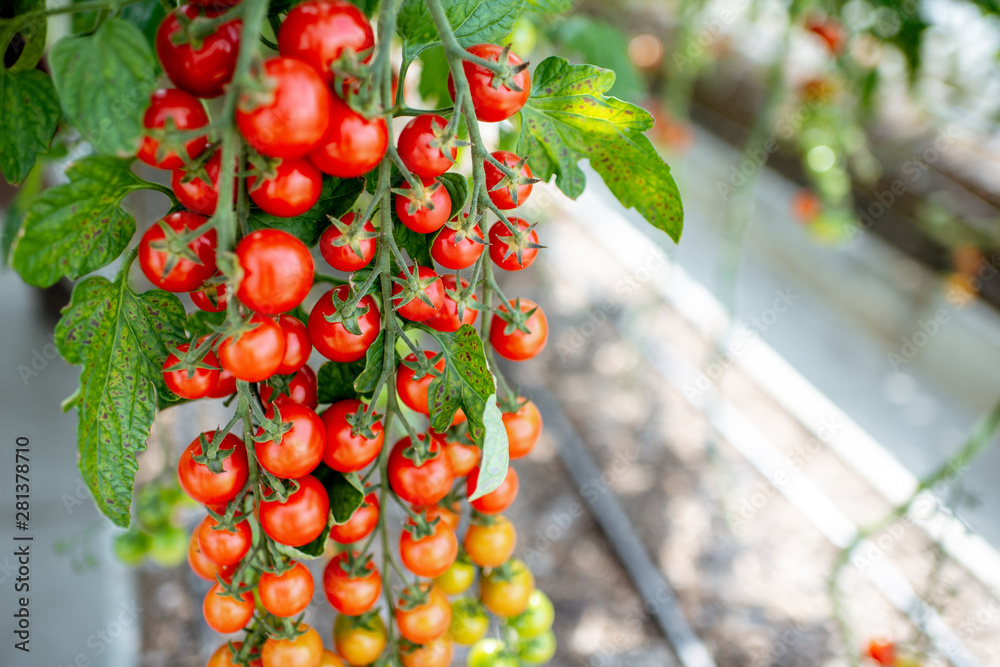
501,196
301,447
297,345
186,275
194,192
287,594
518,345
254,355
360,525
301,389
195,386
447,318
319,31
428,217
419,146
334,341
185,112
352,145
294,189
494,101
223,613
504,247
410,305
205,71
208,487
301,519
421,485
222,547
429,556
499,499
346,452
277,271
350,255
523,429
456,255
210,298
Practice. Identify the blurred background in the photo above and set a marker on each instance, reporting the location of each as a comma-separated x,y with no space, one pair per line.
765,446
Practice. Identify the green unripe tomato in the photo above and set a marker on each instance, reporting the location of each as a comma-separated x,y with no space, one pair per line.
131,547
457,578
468,621
489,653
170,545
537,618
538,650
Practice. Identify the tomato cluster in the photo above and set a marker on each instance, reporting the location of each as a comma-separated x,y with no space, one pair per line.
268,493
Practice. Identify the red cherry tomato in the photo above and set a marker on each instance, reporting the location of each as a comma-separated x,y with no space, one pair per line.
305,650
429,556
463,458
456,255
295,188
194,193
186,275
427,218
413,391
210,298
497,500
204,567
223,613
517,345
203,72
493,103
419,146
883,651
447,318
297,345
255,354
194,386
277,271
319,31
335,342
501,196
490,545
301,519
346,452
301,448
301,389
423,485
343,255
523,428
224,657
185,112
353,145
501,241
360,525
349,595
221,546
287,594
429,621
295,119
437,653
415,309
225,386
211,488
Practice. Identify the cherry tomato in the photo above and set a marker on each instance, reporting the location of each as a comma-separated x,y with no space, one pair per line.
301,389
224,657
456,255
430,556
359,643
287,594
412,391
185,112
501,196
426,218
437,653
202,566
447,318
494,101
221,546
469,621
349,256
224,614
297,345
206,486
331,339
225,387
456,579
523,429
301,448
296,116
186,385
331,659
503,252
427,622
506,597
301,519
256,354
295,188
210,298
319,31
346,452
360,525
420,144
415,309
882,650
537,619
490,545
423,485
538,650
450,516
277,271
203,72
518,345
186,275
463,458
353,145
306,650
497,500
828,30
194,192
351,595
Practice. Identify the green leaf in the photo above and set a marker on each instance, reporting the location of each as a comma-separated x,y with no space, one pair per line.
146,16
550,6
568,118
369,7
335,381
605,45
121,338
17,209
29,116
80,226
434,77
336,199
474,22
201,323
311,551
468,384
417,245
346,492
367,380
458,190
31,35
104,82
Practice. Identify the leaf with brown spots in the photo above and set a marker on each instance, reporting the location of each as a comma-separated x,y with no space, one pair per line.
569,118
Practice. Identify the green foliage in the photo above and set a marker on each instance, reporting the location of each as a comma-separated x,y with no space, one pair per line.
458,190
336,199
568,118
367,380
474,22
346,492
121,339
78,227
33,33
434,76
104,82
550,6
29,116
335,381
